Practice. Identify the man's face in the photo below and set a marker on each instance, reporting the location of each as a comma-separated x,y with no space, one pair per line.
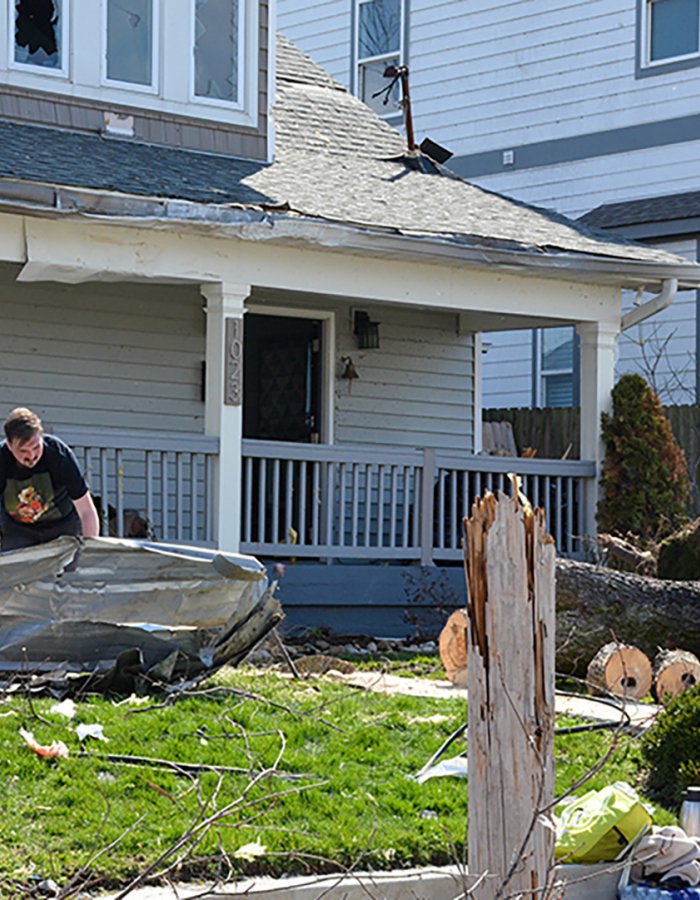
27,453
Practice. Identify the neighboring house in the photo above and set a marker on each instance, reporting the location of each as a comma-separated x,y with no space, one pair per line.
145,209
587,108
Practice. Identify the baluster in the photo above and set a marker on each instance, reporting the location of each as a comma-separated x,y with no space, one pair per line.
441,508
119,479
341,516
368,502
302,501
276,538
194,469
179,496
568,544
453,518
104,490
392,508
289,503
150,513
165,504
262,474
380,505
560,516
548,506
355,504
209,498
248,500
316,503
406,504
417,495
330,503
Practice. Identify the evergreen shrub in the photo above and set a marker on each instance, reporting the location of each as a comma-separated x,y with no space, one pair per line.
671,749
645,477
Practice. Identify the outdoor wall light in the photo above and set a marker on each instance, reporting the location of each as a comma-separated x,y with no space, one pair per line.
366,332
349,371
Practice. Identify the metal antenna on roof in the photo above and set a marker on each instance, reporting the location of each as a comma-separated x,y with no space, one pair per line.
400,73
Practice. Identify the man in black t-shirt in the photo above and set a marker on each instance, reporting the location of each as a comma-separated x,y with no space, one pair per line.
42,491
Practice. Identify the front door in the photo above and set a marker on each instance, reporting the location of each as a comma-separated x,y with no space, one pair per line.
281,378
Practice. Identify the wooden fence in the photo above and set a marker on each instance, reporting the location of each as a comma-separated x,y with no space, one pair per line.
552,431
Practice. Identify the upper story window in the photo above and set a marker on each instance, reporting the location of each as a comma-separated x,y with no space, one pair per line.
129,31
379,29
670,32
189,57
39,31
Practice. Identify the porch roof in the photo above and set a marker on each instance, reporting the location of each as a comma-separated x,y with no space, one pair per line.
338,165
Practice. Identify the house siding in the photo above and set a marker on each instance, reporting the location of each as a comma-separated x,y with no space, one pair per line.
103,356
323,30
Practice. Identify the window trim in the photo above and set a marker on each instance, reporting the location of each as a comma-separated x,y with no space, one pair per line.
63,72
358,62
154,86
645,66
241,61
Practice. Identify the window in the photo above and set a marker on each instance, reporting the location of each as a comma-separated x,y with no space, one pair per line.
379,27
39,31
671,31
556,353
216,50
129,32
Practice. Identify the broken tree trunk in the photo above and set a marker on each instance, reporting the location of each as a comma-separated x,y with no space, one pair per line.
620,669
596,605
510,681
675,671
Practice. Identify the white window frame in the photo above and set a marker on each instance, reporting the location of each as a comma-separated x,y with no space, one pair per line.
154,86
65,25
646,62
359,62
84,64
242,33
541,374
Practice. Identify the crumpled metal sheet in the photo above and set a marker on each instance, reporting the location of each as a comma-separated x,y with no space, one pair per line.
77,605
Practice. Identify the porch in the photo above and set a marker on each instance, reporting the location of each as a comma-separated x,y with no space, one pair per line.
320,502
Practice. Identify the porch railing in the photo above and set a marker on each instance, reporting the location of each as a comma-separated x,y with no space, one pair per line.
167,479
319,501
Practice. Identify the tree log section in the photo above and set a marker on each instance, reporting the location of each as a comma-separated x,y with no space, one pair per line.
620,669
596,605
453,647
675,671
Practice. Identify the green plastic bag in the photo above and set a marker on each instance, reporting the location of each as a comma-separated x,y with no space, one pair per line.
600,825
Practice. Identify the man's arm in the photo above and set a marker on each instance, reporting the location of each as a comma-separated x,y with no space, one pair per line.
88,515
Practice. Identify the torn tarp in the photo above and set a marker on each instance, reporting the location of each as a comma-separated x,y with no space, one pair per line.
172,612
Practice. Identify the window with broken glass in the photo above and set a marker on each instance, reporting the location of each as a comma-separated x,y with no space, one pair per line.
39,27
130,37
379,30
217,50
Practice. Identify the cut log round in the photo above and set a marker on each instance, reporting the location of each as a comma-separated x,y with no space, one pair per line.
594,602
620,669
453,647
674,672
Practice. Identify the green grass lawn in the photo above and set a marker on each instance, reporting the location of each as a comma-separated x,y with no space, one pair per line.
340,794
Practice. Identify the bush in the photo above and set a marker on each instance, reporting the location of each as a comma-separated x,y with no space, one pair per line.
679,554
670,749
645,478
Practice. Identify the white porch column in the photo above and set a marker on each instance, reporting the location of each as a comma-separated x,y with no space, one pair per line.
223,408
598,357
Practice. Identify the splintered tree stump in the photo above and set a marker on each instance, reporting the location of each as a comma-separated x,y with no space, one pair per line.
510,680
620,669
453,647
675,671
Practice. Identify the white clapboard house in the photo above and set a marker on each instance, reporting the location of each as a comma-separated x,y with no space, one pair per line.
255,315
587,107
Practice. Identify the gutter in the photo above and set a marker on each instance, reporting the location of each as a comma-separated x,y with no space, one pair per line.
662,300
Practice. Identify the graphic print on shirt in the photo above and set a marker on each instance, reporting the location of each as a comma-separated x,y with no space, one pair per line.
31,500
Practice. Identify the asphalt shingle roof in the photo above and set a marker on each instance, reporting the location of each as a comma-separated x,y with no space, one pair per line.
638,212
336,160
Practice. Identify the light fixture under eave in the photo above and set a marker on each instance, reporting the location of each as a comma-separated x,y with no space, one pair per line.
366,331
349,371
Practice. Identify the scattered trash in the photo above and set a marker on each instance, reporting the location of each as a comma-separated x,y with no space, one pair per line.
64,708
249,852
600,825
57,749
456,767
93,731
